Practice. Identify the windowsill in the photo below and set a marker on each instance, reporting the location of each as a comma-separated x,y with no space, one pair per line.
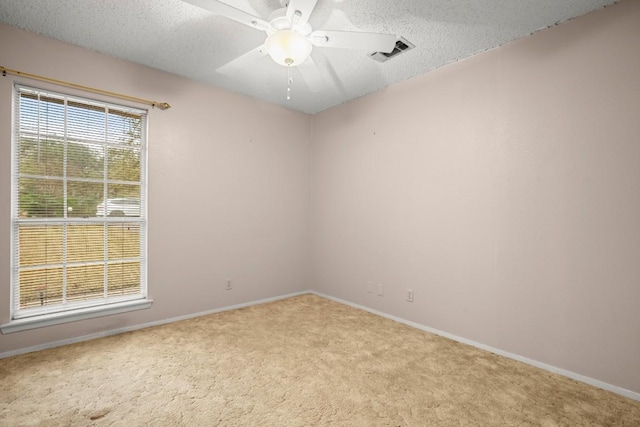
73,315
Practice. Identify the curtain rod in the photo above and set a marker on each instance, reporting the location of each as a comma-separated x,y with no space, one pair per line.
160,105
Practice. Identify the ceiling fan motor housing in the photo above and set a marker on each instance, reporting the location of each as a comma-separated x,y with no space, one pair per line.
278,21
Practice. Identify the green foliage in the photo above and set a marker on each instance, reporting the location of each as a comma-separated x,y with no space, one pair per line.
42,170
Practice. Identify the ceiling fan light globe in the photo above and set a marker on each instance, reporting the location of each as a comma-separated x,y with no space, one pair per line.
288,47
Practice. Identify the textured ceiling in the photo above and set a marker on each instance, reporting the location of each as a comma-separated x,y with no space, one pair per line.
177,37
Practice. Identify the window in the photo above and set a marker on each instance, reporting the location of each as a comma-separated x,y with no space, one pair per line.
78,208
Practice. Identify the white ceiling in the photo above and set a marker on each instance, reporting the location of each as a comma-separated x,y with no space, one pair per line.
177,37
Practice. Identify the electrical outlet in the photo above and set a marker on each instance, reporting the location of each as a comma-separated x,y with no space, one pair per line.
410,295
228,286
370,286
380,289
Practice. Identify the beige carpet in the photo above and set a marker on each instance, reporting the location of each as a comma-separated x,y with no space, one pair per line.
304,361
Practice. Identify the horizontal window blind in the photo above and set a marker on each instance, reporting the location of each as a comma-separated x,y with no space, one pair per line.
79,203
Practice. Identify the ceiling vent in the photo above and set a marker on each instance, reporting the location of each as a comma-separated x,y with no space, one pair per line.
402,45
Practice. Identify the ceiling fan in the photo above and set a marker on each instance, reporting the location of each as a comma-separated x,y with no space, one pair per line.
290,38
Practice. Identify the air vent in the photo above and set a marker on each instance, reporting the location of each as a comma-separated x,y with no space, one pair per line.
402,45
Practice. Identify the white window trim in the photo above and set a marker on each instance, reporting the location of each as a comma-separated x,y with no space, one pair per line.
51,319
17,324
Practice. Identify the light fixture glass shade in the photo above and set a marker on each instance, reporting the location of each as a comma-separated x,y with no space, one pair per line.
288,47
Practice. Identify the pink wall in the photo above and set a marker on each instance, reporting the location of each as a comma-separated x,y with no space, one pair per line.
228,190
505,190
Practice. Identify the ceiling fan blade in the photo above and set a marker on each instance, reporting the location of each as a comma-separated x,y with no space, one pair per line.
299,11
223,9
312,76
371,42
243,62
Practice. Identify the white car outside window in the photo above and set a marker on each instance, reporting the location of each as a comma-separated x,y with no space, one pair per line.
119,207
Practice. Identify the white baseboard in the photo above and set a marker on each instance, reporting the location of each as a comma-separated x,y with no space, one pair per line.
60,343
615,389
597,383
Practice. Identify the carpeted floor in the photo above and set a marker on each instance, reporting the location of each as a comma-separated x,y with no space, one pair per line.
303,361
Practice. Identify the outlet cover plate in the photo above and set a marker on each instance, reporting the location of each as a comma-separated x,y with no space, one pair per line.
410,295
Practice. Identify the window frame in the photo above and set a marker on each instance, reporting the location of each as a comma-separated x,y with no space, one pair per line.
68,312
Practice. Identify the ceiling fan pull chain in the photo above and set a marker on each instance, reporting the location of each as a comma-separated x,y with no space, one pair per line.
289,81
